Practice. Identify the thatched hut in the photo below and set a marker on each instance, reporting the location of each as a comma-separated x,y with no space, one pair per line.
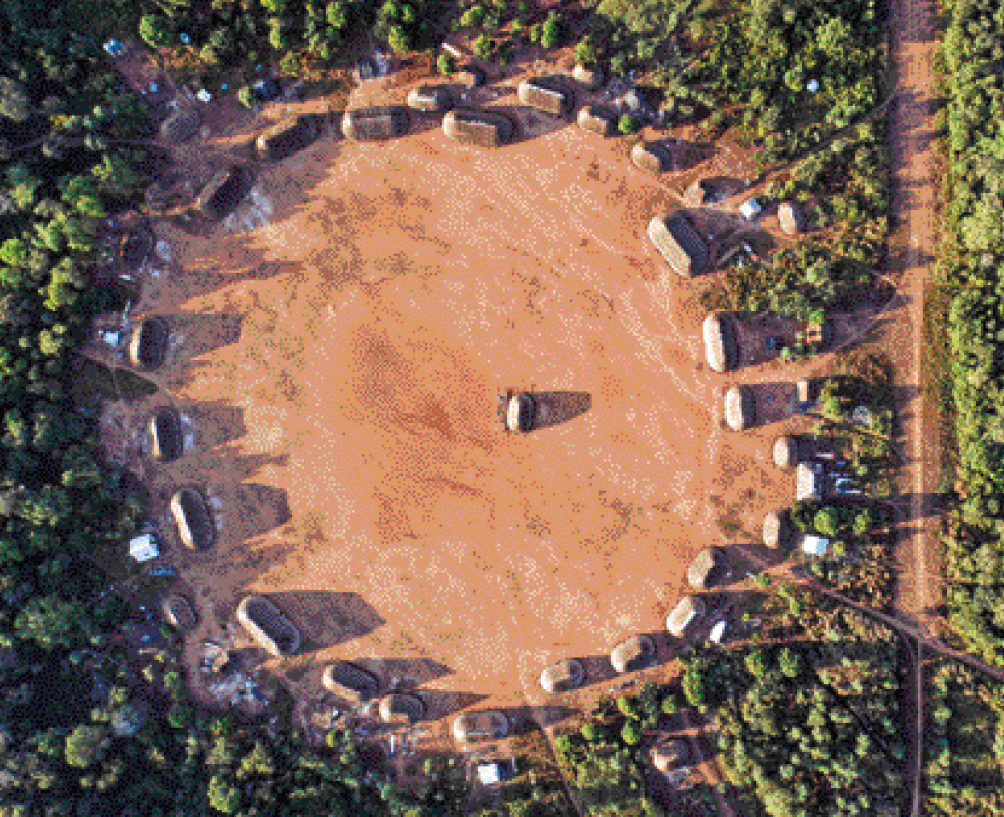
223,193
430,98
669,754
589,77
776,527
178,612
786,451
687,610
805,391
721,349
547,94
488,724
470,76
701,571
698,193
180,126
791,218
167,439
376,124
520,412
402,707
652,157
350,682
594,119
808,481
484,128
563,676
285,138
739,410
633,654
268,626
680,244
194,520
148,345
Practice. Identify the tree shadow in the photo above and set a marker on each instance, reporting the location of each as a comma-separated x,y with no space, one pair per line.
326,618
556,407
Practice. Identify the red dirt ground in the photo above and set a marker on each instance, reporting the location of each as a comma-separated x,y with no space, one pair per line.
398,289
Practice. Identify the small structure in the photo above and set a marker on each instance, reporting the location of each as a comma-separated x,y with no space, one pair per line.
148,346
634,103
680,244
786,451
520,412
114,48
698,193
668,754
563,676
376,124
633,654
717,634
808,481
223,193
494,772
701,571
775,528
791,218
350,682
815,545
484,128
402,707
204,96
470,76
652,157
594,119
720,347
167,441
180,126
267,89
430,98
750,209
178,612
687,610
805,393
143,548
488,724
285,138
546,94
739,409
194,521
589,77
268,626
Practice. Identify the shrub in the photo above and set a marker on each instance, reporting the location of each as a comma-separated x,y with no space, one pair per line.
631,733
627,125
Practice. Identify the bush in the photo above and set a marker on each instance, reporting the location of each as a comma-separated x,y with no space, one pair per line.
631,733
626,125
446,63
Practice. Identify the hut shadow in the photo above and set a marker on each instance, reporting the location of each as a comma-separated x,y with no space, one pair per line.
440,703
194,335
556,407
213,424
599,670
749,557
527,719
760,338
404,673
325,618
772,402
255,510
684,155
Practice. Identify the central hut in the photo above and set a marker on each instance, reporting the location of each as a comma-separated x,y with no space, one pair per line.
376,124
484,128
488,724
547,94
148,345
194,521
680,244
268,626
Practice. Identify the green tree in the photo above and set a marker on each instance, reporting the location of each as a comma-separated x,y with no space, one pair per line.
550,33
86,745
223,795
155,30
14,101
827,521
51,621
446,63
631,733
790,662
626,125
398,39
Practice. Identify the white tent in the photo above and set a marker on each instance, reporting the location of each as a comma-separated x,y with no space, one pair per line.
815,546
144,548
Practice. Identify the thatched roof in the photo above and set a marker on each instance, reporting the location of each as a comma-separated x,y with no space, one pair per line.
167,441
471,76
591,78
808,481
804,391
653,157
350,681
432,98
775,528
791,217
720,347
180,126
488,724
680,244
546,94
402,707
371,124
148,345
597,120
698,192
179,613
223,193
786,451
704,564
667,754
286,138
487,129
739,413
563,676
633,654
687,609
195,523
520,412
268,626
